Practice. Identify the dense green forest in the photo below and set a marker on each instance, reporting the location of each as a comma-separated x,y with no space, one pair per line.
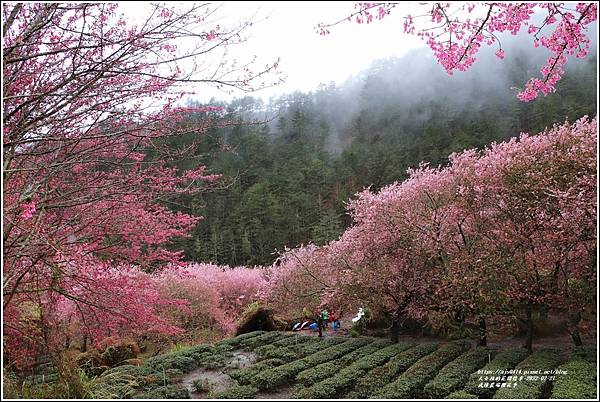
286,178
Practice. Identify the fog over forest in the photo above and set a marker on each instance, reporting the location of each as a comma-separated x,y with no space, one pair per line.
287,178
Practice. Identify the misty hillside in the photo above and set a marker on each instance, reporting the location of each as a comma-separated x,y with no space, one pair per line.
286,180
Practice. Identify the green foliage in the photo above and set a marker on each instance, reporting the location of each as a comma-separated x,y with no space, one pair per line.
461,395
456,373
234,342
276,349
244,375
579,382
586,353
504,360
411,382
260,340
322,371
542,360
166,392
379,377
68,383
202,385
160,375
344,378
272,378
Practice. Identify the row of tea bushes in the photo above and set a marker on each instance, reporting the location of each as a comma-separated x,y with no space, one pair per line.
456,373
277,376
536,386
343,382
412,381
379,377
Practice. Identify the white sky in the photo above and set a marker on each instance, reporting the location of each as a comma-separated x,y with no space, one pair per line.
308,58
287,30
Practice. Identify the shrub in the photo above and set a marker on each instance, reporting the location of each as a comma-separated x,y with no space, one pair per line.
456,373
367,350
260,340
234,342
587,353
203,385
165,392
542,360
579,382
188,359
320,344
410,383
156,378
377,378
116,354
271,378
461,395
322,371
504,360
303,349
345,378
244,375
315,374
183,363
236,392
283,346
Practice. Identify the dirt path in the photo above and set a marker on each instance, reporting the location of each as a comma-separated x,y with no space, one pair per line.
216,379
284,392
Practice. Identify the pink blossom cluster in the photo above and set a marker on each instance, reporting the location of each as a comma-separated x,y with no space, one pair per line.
455,42
494,232
216,295
87,178
456,32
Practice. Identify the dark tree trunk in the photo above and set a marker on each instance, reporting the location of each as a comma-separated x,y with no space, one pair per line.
482,331
84,345
395,330
320,326
576,337
529,334
574,319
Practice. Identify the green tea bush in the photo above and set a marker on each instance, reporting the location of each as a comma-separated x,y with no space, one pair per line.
461,395
234,342
542,360
456,373
503,361
260,340
283,344
587,353
318,373
244,375
203,385
272,378
342,381
322,371
579,381
379,377
166,392
411,382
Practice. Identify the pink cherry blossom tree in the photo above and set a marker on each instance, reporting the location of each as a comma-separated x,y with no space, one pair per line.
500,233
456,32
87,99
